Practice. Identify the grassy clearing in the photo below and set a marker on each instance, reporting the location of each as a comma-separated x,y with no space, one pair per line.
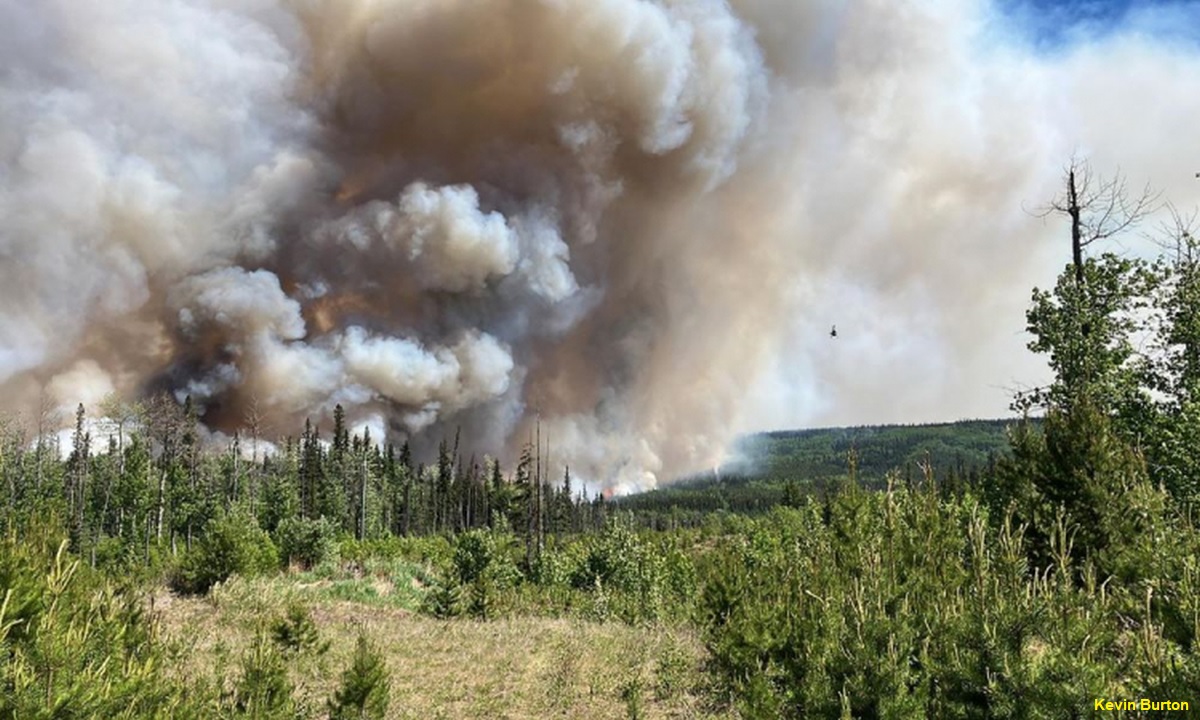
516,667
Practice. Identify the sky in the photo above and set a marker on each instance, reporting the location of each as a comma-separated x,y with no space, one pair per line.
1057,25
1051,24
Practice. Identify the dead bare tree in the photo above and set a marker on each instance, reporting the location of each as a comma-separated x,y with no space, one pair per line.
49,419
119,414
166,421
1099,208
1177,235
253,420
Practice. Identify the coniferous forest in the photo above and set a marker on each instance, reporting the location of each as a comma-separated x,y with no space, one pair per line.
1036,567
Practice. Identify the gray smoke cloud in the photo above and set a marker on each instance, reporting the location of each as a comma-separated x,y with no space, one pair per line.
632,221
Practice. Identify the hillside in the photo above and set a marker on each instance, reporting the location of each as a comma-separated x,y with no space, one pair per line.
813,458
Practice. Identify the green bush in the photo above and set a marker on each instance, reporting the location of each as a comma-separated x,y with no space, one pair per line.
434,550
633,577
484,565
483,555
230,544
445,598
613,559
306,541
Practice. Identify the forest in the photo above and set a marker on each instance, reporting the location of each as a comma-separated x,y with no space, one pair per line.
781,467
1036,567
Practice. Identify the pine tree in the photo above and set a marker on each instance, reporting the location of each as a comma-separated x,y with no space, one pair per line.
312,472
407,479
341,477
361,462
441,489
263,691
364,691
524,481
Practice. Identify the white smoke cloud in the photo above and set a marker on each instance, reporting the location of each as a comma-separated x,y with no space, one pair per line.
84,383
475,369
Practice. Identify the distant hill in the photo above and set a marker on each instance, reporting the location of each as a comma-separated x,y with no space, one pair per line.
755,481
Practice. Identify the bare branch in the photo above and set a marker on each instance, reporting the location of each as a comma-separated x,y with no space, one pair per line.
1177,235
1105,206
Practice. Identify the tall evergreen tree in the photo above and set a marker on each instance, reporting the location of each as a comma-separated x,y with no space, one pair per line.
76,479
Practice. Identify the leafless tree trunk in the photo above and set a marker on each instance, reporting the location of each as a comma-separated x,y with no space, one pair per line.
253,422
1099,208
48,419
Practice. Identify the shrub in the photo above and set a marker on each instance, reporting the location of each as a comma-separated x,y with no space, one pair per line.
483,555
632,691
613,559
230,544
636,578
444,599
908,604
484,564
306,541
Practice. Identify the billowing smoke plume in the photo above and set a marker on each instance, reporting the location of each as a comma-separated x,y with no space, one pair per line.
633,220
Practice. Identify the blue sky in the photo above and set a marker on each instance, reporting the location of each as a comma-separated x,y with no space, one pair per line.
1057,24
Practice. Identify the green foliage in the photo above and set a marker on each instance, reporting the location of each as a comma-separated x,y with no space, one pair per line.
636,578
231,544
436,551
263,689
72,646
1122,336
445,598
1086,330
633,695
365,687
670,671
485,563
306,541
296,632
481,555
906,604
1078,470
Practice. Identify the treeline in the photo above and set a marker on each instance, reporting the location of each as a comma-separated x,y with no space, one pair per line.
155,488
784,467
965,446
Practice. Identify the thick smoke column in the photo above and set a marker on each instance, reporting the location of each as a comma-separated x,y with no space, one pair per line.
621,216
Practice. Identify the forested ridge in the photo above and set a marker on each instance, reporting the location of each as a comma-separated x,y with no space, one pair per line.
990,569
779,467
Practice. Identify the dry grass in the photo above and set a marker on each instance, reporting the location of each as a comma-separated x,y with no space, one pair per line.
523,667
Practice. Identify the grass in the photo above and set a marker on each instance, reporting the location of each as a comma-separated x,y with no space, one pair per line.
514,667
